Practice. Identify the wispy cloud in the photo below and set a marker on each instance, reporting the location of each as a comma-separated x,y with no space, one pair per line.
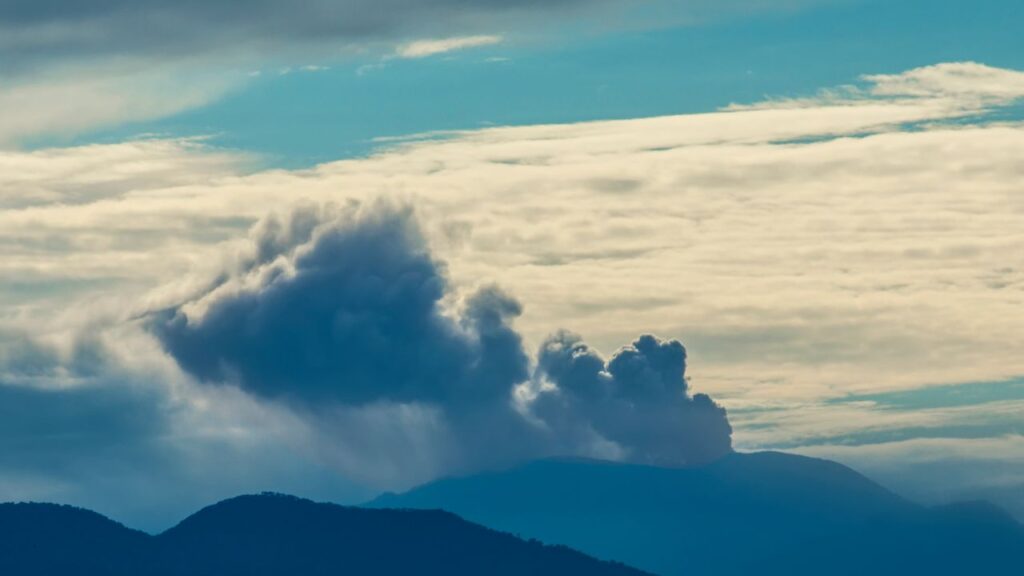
953,79
426,48
38,106
957,88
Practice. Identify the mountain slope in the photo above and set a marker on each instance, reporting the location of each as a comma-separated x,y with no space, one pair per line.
747,513
54,540
966,538
274,535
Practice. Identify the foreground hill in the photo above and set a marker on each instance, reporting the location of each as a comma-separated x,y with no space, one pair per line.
763,513
276,535
58,540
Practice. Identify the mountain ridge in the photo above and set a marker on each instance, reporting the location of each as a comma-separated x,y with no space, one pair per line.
769,512
271,534
742,513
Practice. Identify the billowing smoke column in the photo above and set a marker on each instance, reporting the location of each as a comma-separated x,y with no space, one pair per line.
348,317
638,400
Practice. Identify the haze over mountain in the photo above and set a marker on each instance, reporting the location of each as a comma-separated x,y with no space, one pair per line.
275,534
763,513
346,248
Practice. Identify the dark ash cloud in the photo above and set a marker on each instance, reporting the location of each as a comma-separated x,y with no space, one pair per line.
638,399
359,325
356,317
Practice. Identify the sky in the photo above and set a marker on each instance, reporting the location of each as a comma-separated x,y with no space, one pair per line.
335,248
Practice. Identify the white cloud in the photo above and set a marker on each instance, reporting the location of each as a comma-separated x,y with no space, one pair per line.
954,79
955,88
425,48
86,174
75,101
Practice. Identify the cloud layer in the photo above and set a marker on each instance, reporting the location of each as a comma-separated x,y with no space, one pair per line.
425,48
780,248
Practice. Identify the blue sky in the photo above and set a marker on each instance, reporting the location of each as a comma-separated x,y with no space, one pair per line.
302,118
820,199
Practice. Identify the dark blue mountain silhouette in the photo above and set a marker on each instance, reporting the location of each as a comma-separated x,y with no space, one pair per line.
763,513
276,535
53,540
